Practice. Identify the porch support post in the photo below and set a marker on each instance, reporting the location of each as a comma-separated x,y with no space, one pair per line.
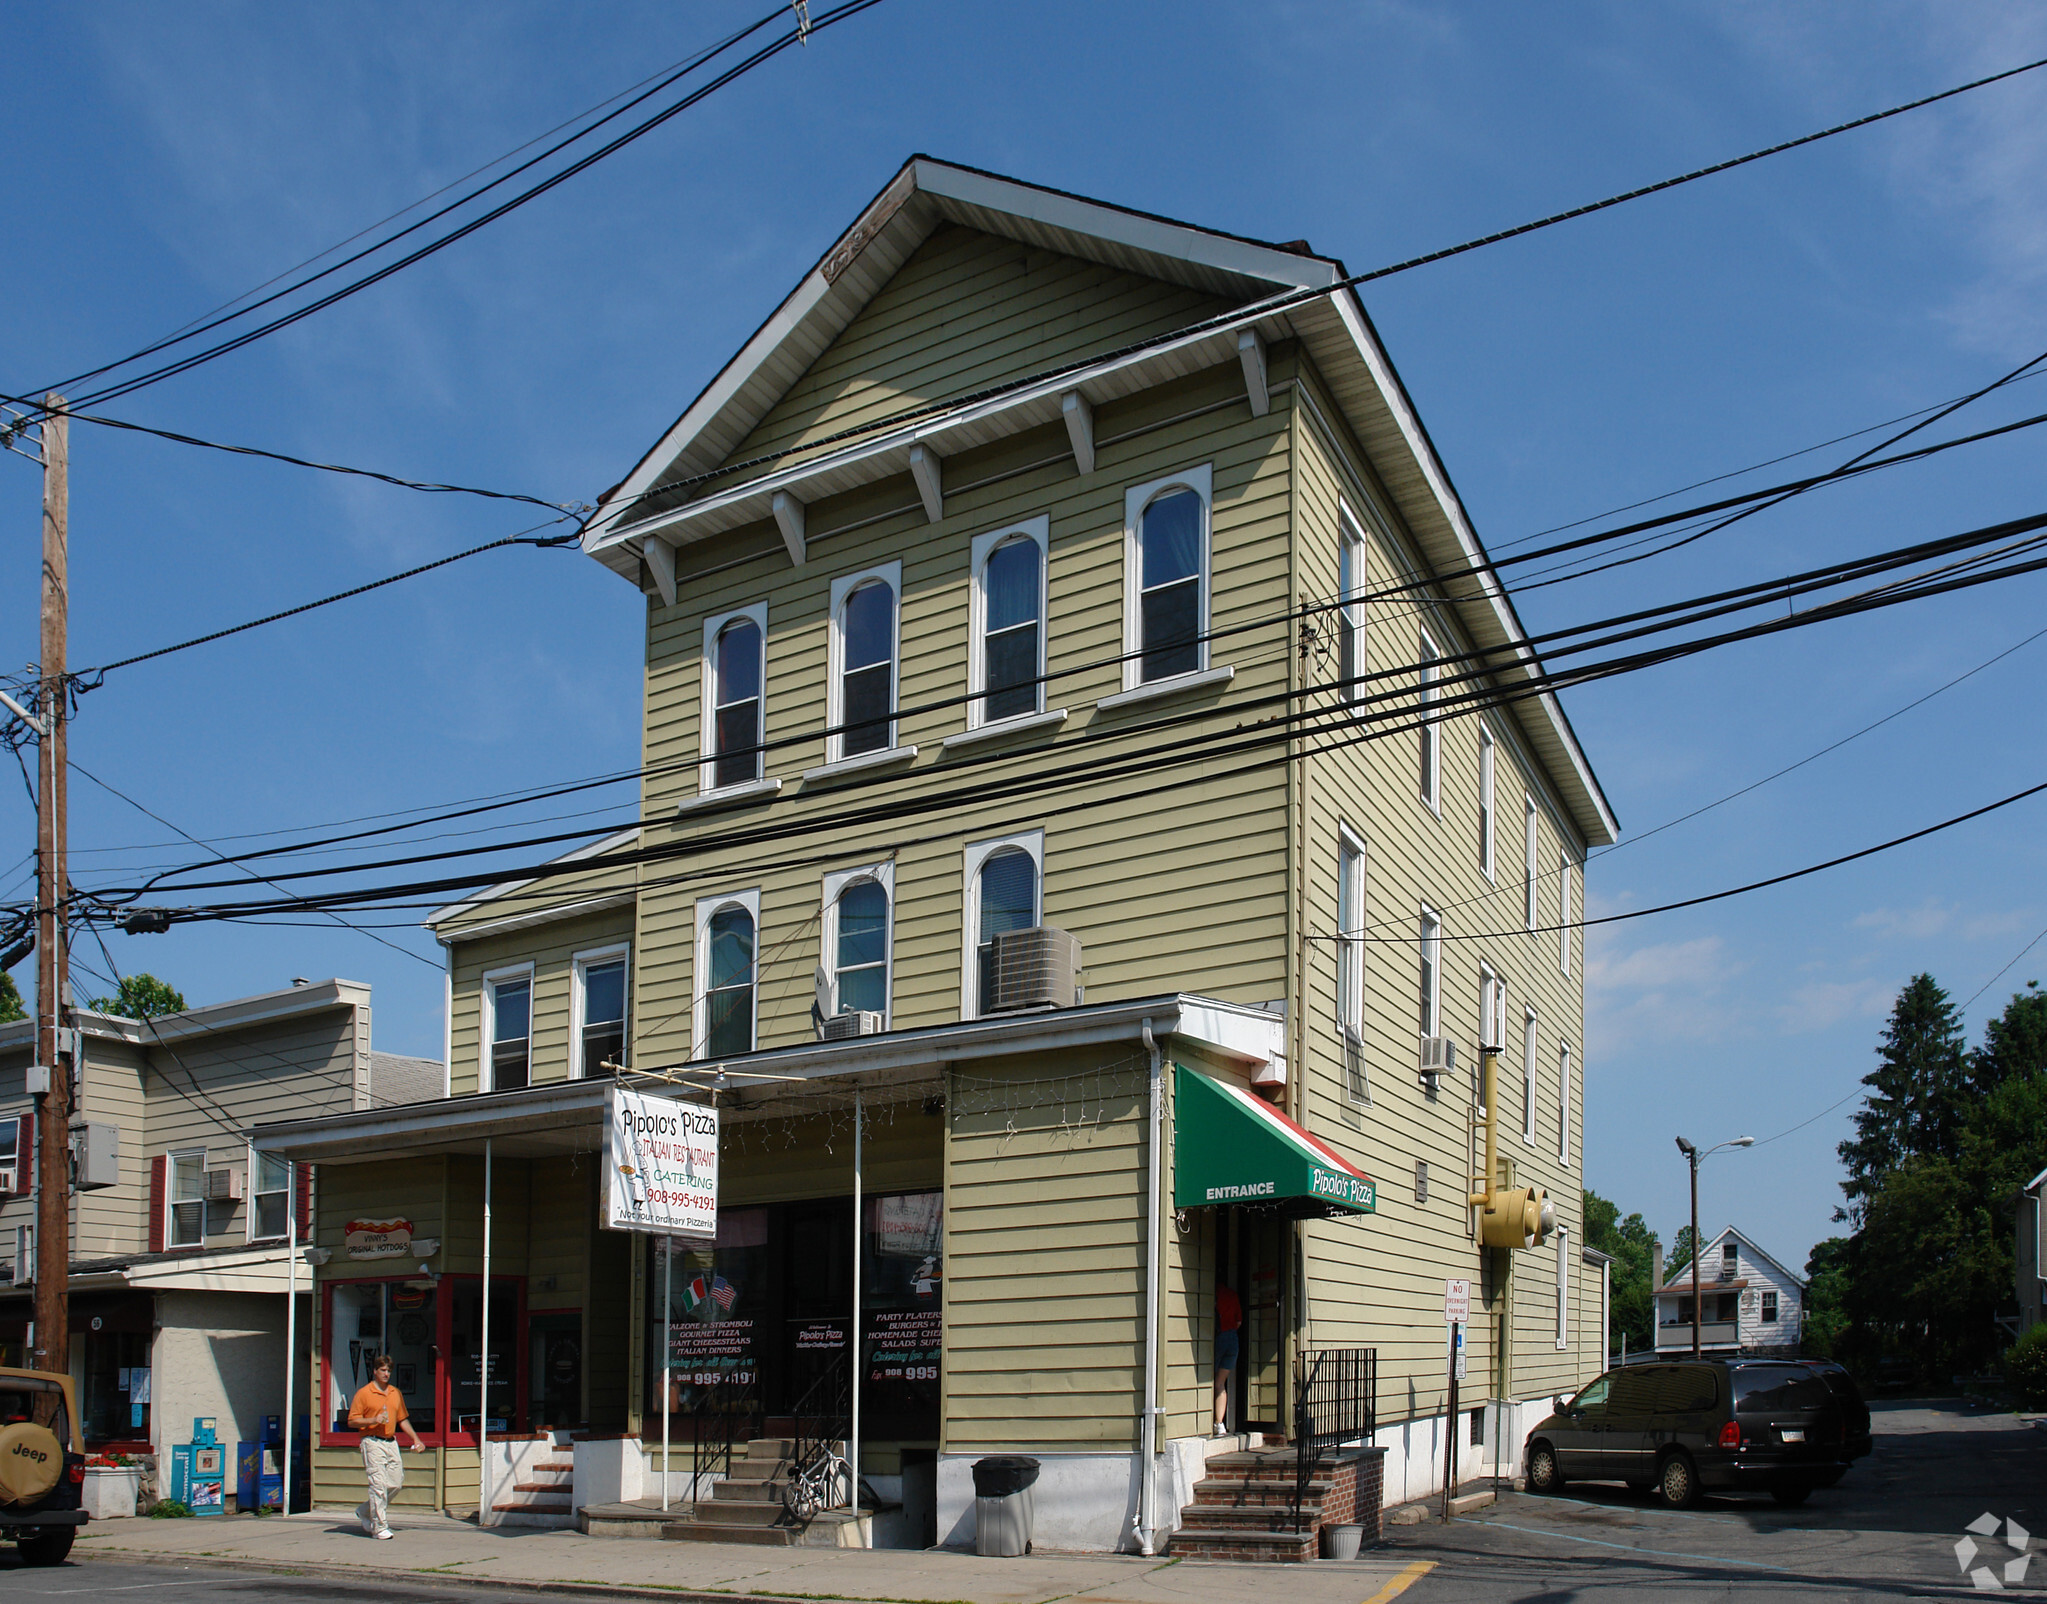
853,1337
667,1317
291,1335
483,1363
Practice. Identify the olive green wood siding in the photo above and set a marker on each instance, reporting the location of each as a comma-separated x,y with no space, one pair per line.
551,949
968,310
114,1089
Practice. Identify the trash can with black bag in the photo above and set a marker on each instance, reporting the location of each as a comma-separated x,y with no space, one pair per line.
1003,1510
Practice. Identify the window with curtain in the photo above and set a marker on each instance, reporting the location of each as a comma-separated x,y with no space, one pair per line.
1350,629
1169,585
511,1033
603,1016
860,955
187,1201
867,668
1431,736
1006,898
736,705
271,1210
728,988
1012,629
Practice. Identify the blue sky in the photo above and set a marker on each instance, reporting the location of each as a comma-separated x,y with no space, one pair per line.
168,158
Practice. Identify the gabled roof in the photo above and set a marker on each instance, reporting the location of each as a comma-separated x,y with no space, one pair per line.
1680,1279
1335,331
572,904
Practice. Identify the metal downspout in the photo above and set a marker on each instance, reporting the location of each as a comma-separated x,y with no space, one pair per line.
1144,1524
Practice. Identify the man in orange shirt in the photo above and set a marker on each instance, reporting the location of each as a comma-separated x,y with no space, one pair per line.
378,1412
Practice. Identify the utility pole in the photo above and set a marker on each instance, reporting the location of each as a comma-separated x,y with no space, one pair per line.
52,1350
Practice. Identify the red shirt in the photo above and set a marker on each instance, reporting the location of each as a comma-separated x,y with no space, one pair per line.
1229,1313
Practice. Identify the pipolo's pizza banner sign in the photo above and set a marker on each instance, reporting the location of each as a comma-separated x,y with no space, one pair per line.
378,1239
660,1165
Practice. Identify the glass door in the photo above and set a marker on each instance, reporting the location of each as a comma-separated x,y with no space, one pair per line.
466,1397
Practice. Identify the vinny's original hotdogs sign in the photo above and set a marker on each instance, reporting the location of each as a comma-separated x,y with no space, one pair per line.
660,1165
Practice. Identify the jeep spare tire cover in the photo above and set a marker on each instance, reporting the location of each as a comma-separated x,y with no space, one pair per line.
30,1462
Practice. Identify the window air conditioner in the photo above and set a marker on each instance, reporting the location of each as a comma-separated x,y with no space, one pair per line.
853,1022
8,1181
223,1186
1439,1058
1036,968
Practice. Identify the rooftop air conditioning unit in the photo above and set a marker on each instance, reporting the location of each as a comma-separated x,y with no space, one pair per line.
1439,1058
1036,968
853,1022
223,1186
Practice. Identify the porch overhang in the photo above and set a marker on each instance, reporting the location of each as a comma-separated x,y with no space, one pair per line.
566,1117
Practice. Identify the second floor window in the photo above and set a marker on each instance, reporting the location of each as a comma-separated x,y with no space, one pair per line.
1531,857
1169,585
1350,623
1350,961
736,704
1528,1076
187,1201
861,949
1485,800
1006,898
604,1006
1009,622
864,644
728,982
270,1210
1564,911
511,1033
1564,1103
1431,944
1431,733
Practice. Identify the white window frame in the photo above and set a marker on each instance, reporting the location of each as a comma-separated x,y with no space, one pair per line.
700,1015
1038,530
1530,1043
884,875
1563,1102
714,626
487,1019
1350,957
1769,1308
1431,730
1350,606
1488,817
1531,858
579,968
974,855
1429,959
171,1200
1201,481
891,573
256,1195
1563,1235
1564,876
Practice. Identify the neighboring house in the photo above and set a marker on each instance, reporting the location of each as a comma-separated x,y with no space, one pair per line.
919,697
2029,1269
1748,1302
178,1271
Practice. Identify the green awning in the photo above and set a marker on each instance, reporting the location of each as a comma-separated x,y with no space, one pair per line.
1232,1147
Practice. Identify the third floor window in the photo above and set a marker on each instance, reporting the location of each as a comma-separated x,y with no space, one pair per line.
863,695
1009,624
736,704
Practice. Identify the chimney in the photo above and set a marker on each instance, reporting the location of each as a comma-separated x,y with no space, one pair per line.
1656,1268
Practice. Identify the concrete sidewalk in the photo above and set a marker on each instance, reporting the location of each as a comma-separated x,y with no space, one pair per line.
325,1543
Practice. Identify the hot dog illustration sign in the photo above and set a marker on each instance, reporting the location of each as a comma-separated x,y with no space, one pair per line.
660,1165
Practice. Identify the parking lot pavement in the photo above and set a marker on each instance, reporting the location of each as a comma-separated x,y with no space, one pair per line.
1888,1531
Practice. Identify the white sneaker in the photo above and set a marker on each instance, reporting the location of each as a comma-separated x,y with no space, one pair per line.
384,1536
1220,1432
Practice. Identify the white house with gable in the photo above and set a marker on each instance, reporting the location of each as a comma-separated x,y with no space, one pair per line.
1749,1303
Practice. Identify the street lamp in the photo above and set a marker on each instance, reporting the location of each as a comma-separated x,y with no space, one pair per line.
1692,1157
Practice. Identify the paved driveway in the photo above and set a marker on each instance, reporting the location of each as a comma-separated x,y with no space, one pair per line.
1888,1531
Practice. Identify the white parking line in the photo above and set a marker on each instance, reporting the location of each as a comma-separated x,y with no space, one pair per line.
132,1587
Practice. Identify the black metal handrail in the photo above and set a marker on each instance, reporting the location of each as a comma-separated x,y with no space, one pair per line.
823,1418
1334,1405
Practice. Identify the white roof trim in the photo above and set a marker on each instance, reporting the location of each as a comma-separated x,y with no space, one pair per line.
505,888
236,1014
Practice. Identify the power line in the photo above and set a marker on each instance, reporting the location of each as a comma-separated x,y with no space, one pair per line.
1994,979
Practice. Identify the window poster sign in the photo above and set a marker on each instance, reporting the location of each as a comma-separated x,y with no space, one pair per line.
711,1355
660,1165
903,1345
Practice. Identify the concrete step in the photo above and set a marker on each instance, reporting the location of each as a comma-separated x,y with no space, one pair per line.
748,1491
770,1447
542,1519
1205,1542
705,1531
1229,1487
541,1487
735,1512
555,1467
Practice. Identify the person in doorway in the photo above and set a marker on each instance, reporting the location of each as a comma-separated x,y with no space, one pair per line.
378,1412
1229,1322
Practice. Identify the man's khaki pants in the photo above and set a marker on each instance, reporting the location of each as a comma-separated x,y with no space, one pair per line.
384,1470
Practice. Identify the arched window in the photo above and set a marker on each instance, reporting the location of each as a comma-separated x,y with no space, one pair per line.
728,983
1169,584
860,963
1012,629
1006,898
867,668
736,704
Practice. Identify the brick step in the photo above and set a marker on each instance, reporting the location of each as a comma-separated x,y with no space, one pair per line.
1315,1487
704,1531
1204,1542
1203,1506
556,1467
1251,1518
541,1487
535,1506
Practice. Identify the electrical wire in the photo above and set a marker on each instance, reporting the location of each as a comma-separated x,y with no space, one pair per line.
1994,979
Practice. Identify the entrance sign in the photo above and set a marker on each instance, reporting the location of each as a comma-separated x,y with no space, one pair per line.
1456,1303
660,1165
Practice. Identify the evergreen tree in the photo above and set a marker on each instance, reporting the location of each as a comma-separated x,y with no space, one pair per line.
2015,1043
1631,1312
1826,1297
1681,1255
10,999
1917,1092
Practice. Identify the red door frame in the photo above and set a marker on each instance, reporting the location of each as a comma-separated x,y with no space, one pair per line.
444,1326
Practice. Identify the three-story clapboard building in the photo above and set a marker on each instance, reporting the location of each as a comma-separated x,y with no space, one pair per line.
1090,780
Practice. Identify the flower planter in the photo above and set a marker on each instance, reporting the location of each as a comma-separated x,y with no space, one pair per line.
110,1491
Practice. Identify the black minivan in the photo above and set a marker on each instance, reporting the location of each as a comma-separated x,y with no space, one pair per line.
1713,1425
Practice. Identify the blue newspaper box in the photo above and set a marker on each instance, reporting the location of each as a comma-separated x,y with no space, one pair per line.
259,1468
199,1470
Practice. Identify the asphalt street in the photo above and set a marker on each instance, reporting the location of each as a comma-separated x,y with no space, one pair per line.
1887,1532
147,1584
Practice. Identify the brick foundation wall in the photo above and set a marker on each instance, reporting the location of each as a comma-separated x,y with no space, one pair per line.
1356,1492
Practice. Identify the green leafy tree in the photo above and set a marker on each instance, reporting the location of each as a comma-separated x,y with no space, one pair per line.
1632,1312
2014,1044
10,999
1827,1274
141,997
1681,1255
1917,1093
1931,1266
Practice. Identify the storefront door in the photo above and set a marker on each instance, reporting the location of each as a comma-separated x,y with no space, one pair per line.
1251,1251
